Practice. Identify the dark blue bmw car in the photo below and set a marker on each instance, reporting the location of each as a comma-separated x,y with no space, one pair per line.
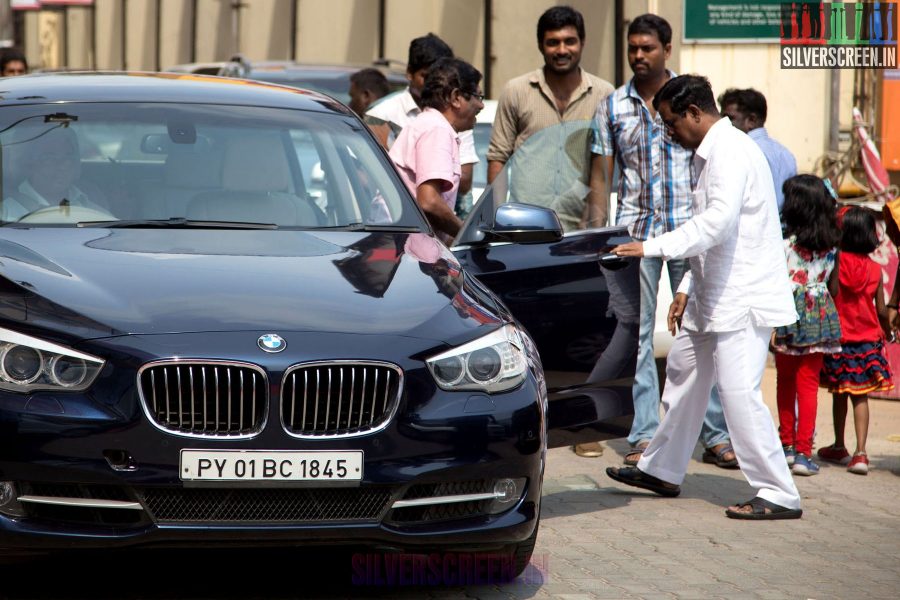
224,321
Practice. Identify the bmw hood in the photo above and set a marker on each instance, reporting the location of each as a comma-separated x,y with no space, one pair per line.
103,282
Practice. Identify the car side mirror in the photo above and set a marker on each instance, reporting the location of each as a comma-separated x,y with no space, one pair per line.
523,224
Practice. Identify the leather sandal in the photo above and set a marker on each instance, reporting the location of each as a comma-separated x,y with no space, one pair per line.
718,458
636,451
759,507
637,478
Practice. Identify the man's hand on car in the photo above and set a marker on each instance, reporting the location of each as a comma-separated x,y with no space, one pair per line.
629,249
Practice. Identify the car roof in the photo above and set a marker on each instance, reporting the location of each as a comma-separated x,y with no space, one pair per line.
159,87
323,69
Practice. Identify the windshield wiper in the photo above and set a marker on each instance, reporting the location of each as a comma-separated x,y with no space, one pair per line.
176,223
369,227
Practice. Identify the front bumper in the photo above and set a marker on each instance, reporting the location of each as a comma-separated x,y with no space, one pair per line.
438,444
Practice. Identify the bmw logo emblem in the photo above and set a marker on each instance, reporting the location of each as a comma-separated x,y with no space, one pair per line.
271,343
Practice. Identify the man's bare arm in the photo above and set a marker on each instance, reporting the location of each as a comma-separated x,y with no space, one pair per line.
441,216
597,206
494,168
381,130
465,178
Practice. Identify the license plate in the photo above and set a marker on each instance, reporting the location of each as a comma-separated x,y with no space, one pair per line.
271,465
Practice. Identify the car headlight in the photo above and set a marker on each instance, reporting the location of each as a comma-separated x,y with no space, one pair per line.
28,364
493,363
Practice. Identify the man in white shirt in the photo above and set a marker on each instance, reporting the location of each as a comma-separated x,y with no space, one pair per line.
736,291
389,116
50,168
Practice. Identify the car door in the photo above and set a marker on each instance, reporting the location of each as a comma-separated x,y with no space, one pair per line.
578,302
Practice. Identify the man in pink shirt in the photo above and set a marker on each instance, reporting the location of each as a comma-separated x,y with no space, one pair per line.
427,151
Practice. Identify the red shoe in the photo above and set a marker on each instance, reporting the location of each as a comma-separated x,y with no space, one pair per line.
834,455
859,464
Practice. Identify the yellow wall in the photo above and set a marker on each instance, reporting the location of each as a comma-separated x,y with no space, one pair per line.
140,23
108,18
460,23
319,39
515,38
176,19
265,28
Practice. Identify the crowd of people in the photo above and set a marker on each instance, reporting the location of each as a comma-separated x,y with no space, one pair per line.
759,258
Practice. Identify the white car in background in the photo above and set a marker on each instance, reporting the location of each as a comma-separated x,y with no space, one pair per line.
662,339
483,123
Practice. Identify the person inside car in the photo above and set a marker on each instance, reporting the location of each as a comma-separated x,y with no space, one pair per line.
50,168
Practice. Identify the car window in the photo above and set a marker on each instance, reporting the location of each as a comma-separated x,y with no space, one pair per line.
333,83
550,169
288,168
482,134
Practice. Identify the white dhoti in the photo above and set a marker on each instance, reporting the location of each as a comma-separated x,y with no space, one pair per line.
733,360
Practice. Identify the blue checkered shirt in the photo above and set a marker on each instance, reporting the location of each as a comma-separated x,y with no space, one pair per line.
654,194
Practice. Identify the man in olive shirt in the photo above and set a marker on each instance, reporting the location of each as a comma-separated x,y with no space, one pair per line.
558,94
557,102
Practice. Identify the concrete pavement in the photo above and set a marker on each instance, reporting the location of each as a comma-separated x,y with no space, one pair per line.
601,539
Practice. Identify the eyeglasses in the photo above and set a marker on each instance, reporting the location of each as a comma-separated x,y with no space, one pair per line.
479,97
670,123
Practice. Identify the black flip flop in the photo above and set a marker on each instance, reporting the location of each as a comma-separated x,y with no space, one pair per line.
718,458
759,513
637,478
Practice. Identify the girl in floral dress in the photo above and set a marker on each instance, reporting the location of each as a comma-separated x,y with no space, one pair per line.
861,366
810,248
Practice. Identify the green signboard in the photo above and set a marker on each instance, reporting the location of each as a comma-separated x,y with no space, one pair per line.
715,21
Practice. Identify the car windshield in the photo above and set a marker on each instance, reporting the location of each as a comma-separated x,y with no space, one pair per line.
79,164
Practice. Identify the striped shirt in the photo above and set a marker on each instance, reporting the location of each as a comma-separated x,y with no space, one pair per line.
654,194
780,159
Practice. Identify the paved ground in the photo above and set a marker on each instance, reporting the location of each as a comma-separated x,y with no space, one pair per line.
601,540
598,539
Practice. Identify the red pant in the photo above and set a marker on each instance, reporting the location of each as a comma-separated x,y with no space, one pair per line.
798,378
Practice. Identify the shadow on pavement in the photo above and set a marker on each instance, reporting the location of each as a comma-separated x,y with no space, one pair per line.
239,573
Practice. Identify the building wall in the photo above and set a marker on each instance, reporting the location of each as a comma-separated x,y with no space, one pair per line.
794,120
109,16
319,40
176,31
266,28
460,23
515,48
154,34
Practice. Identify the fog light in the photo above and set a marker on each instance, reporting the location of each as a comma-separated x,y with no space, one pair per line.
507,492
9,500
